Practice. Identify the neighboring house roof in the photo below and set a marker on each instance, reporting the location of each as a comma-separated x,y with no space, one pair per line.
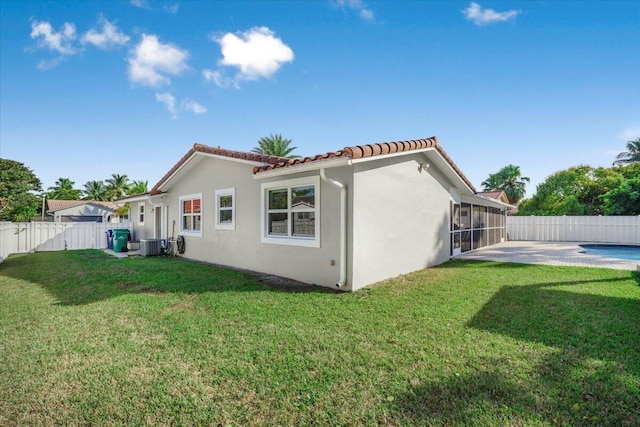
499,195
57,205
201,148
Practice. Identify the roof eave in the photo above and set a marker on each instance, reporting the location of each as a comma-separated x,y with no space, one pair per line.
304,167
134,198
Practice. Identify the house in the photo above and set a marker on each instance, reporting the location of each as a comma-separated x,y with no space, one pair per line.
345,219
495,195
82,211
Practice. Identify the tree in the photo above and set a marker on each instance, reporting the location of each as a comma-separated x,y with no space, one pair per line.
63,190
275,145
117,186
583,190
138,187
623,200
17,186
508,179
559,194
95,190
632,155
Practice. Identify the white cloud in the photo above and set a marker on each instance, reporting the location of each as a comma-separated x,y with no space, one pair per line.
256,53
192,106
479,16
359,6
56,41
186,104
142,4
47,64
169,102
171,8
219,79
150,61
109,37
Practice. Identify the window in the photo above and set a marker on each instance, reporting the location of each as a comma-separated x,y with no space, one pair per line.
191,214
141,213
226,209
291,212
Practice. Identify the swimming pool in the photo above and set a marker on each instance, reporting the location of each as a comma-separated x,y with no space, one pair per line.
613,251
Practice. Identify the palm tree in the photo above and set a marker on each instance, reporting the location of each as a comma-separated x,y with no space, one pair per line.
632,155
117,186
508,179
63,190
95,190
138,187
275,145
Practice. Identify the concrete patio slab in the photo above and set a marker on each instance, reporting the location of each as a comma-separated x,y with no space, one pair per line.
121,254
549,253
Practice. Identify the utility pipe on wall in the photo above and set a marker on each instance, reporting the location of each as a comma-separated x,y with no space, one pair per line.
343,226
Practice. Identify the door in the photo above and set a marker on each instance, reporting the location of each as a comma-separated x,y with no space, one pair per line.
455,229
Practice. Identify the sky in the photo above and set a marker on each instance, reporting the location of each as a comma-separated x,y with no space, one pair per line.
93,88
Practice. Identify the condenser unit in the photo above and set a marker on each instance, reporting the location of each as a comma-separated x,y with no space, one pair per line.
150,247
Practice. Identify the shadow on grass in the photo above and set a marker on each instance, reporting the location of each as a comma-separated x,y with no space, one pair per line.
595,326
86,276
495,395
593,377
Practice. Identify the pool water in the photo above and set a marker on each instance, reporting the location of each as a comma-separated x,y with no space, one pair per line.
613,251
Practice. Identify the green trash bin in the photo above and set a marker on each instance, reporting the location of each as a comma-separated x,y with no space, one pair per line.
120,238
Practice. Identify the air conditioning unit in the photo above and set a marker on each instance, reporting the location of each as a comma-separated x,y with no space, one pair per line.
150,247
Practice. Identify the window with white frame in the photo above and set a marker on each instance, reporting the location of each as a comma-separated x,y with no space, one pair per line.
141,213
191,214
226,209
291,212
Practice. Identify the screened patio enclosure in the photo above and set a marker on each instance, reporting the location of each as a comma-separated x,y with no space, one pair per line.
476,226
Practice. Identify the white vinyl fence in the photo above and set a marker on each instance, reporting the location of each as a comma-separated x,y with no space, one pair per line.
602,229
24,237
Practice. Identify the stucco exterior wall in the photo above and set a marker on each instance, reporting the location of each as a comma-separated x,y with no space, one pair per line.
400,219
142,230
242,247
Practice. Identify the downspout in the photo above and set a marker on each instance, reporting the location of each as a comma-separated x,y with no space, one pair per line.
343,226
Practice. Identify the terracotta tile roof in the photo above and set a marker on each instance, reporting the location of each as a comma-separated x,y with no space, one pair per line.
371,150
201,148
56,205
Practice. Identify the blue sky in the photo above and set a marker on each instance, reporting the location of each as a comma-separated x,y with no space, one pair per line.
94,88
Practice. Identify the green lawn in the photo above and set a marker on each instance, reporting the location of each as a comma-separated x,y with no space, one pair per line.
89,339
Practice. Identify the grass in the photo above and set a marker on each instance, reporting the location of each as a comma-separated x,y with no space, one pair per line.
88,339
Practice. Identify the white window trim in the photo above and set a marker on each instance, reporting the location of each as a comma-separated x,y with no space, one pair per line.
290,240
226,226
180,207
143,213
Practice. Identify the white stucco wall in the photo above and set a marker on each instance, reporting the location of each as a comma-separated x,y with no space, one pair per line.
400,219
242,247
142,230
